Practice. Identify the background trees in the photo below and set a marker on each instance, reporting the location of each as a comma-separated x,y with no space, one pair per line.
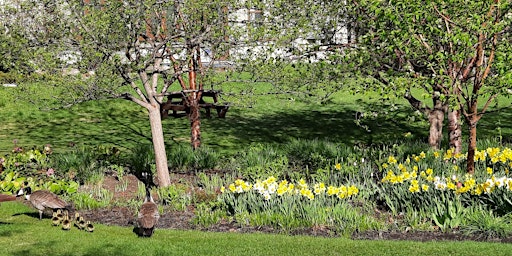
442,51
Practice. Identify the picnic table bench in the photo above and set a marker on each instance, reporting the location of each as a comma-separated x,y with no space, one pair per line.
209,100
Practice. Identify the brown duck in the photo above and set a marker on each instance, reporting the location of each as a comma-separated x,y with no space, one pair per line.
42,199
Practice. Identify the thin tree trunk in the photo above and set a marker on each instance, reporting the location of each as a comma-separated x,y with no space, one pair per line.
435,118
472,119
195,124
471,149
157,135
195,95
455,130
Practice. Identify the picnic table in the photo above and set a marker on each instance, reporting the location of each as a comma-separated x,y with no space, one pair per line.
176,103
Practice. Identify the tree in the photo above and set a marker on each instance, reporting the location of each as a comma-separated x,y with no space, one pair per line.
137,51
410,46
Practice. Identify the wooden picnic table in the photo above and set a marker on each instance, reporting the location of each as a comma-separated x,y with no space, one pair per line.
176,102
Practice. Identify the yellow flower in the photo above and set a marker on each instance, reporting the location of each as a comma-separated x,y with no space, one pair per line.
337,166
423,155
352,190
436,154
430,171
385,165
392,160
414,188
222,189
331,190
424,187
319,188
302,184
489,170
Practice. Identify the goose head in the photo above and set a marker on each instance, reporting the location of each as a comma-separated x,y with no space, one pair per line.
24,192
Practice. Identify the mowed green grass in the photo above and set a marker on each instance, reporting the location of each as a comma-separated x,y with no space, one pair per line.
269,119
22,233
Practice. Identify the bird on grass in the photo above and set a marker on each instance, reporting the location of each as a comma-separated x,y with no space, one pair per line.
89,227
60,214
66,223
77,217
81,223
148,215
55,219
42,199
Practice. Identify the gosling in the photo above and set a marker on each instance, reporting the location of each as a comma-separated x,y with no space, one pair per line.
89,227
66,223
81,223
55,219
42,199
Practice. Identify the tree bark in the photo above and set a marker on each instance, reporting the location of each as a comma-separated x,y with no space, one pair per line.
455,130
195,124
471,149
157,135
436,119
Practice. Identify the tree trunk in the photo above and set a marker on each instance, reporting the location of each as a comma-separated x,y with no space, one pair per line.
471,149
455,130
435,118
157,135
195,124
472,119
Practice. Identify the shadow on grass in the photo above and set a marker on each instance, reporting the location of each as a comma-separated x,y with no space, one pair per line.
128,127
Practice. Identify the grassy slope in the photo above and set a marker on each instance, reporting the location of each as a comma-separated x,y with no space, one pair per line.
23,234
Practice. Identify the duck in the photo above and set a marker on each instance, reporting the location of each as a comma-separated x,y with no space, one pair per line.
66,223
42,199
148,215
89,227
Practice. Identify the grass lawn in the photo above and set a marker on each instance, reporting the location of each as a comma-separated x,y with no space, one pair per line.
271,119
23,234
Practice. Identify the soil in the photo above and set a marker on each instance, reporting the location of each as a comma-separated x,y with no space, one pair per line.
181,220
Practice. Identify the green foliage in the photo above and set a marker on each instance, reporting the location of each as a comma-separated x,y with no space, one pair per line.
142,159
32,162
175,195
97,198
448,214
486,224
81,164
180,157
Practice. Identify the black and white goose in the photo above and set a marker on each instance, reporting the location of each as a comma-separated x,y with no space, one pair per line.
42,199
148,215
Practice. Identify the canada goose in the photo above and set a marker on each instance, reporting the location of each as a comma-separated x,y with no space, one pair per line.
89,227
55,219
148,215
81,223
66,223
5,198
42,199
